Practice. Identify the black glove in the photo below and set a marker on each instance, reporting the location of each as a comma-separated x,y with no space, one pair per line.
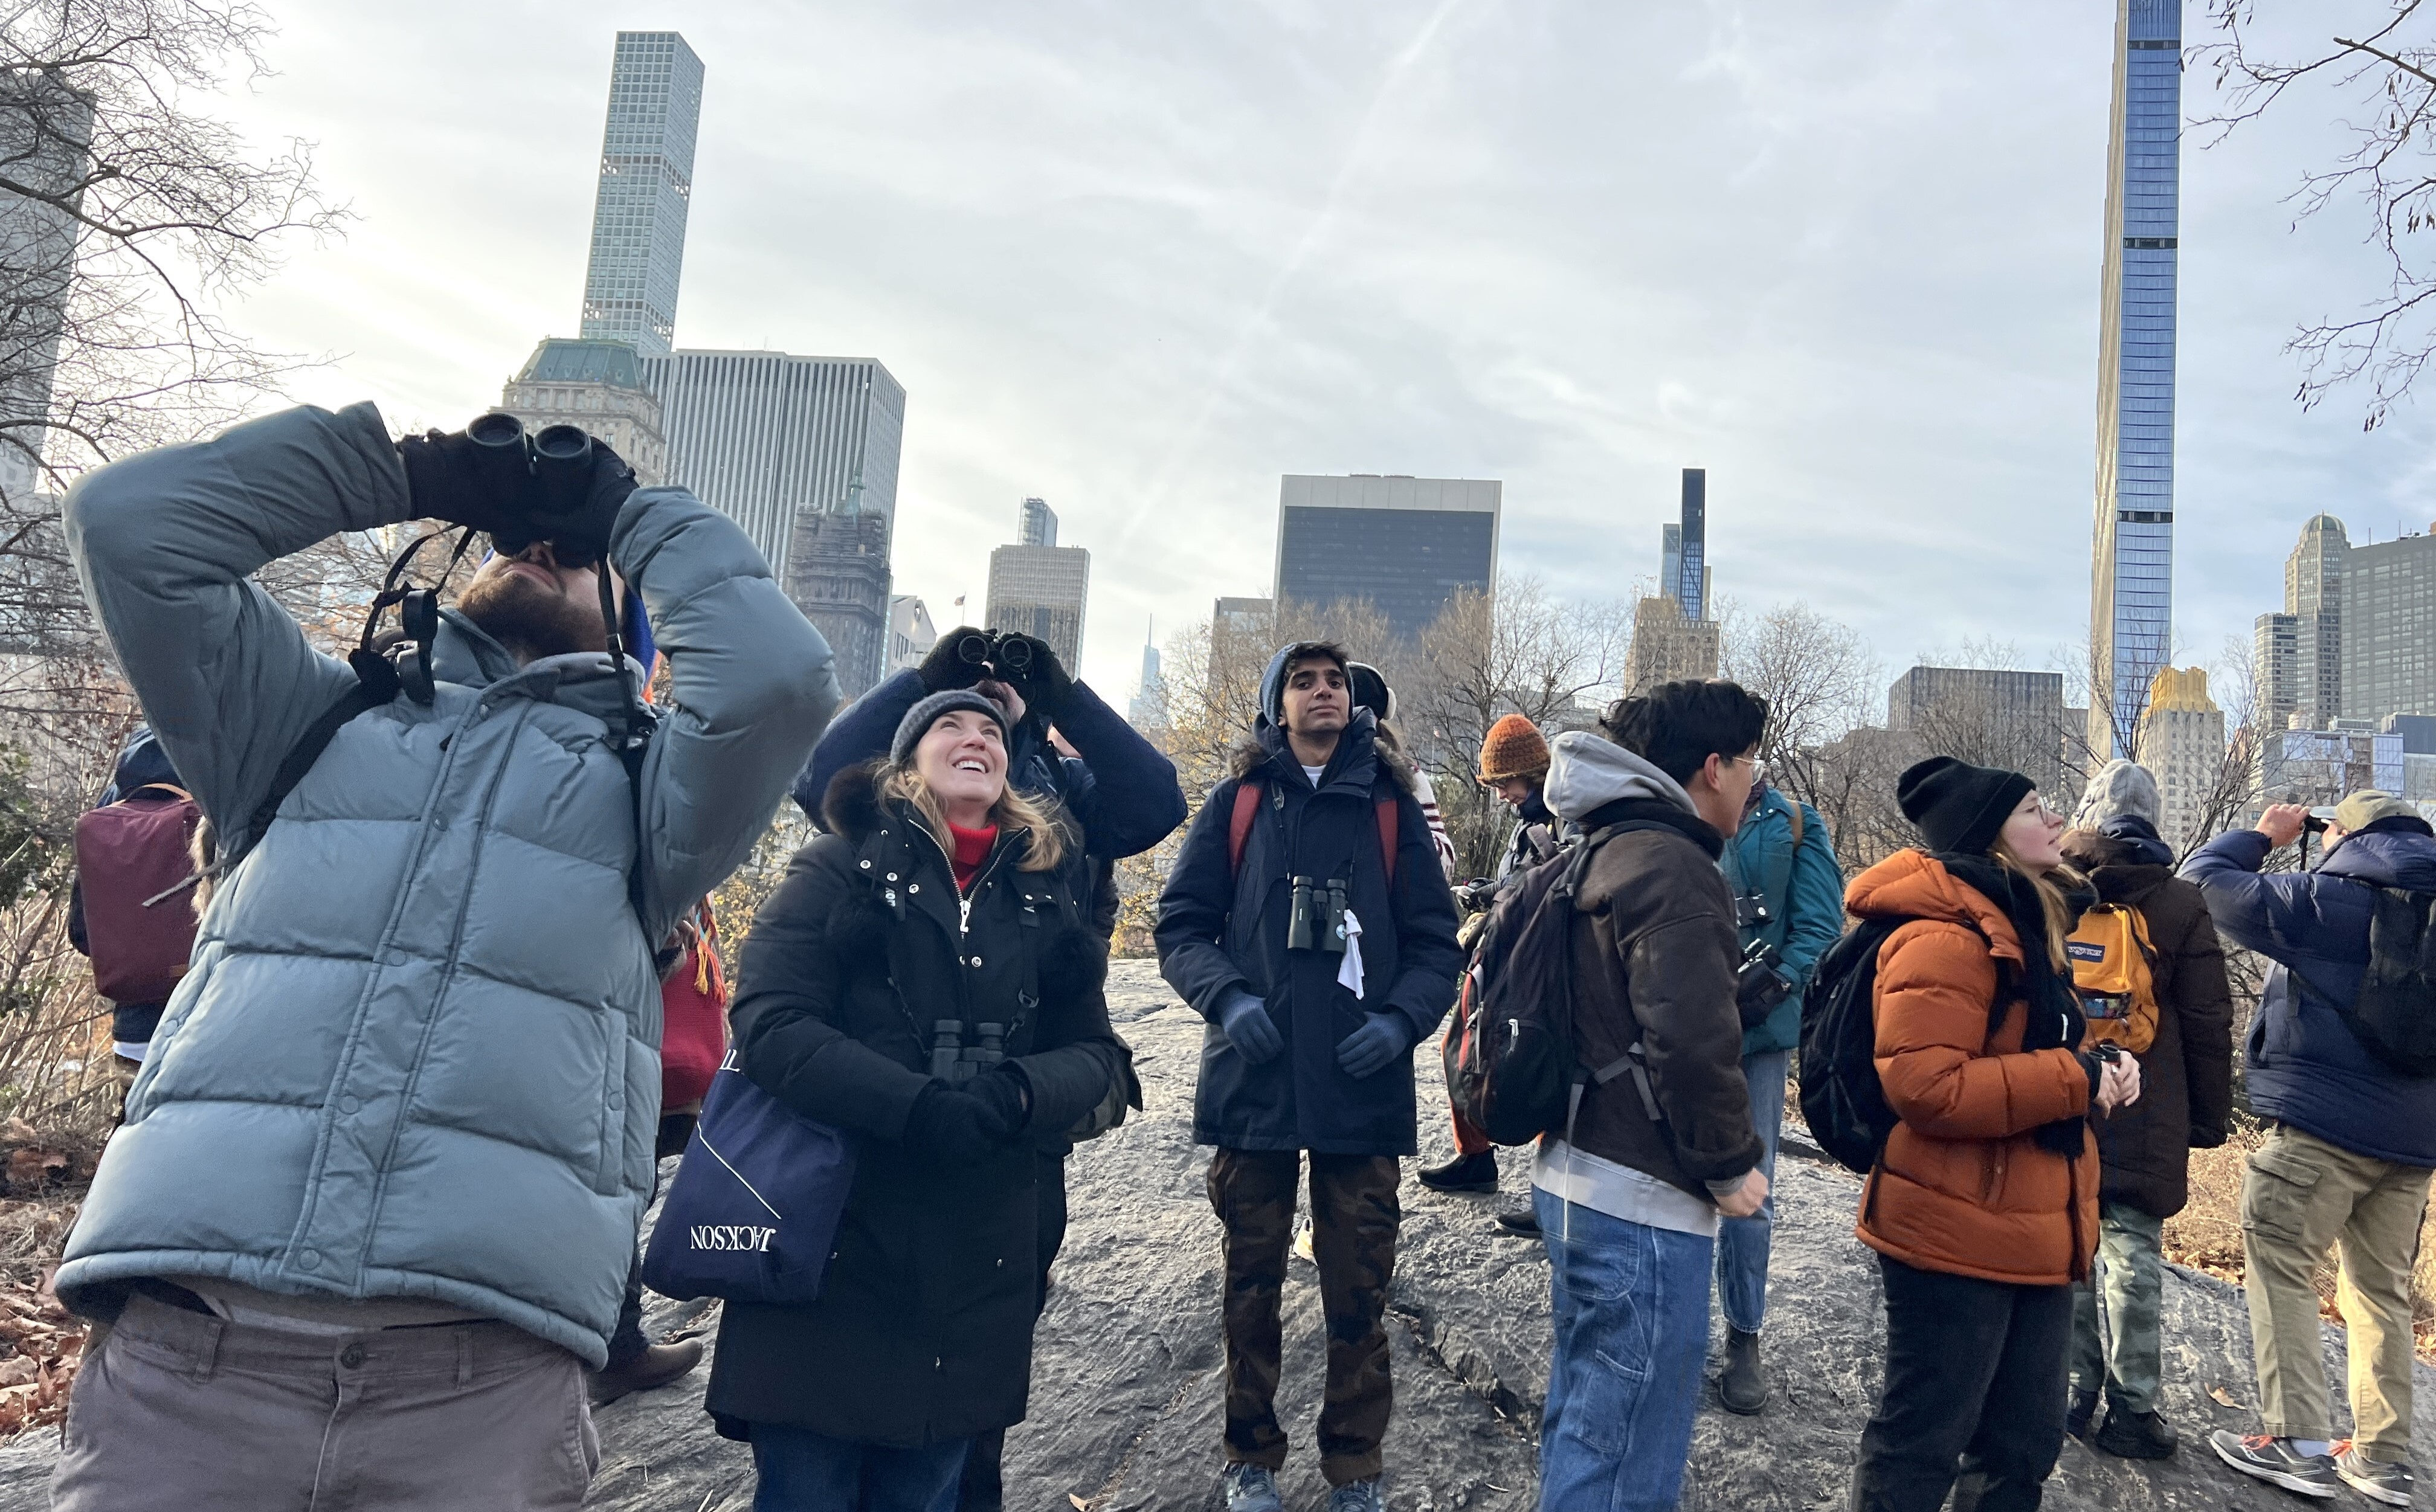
1042,682
953,1127
1008,1093
578,525
944,669
444,483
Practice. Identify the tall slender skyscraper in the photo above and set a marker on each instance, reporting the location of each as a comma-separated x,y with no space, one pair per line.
638,217
2131,570
1691,586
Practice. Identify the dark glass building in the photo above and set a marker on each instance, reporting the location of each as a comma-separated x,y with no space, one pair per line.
1404,545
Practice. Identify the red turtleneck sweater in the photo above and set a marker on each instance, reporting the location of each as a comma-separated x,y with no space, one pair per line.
972,848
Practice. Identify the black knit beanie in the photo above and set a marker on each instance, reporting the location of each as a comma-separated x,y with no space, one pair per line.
1958,807
918,719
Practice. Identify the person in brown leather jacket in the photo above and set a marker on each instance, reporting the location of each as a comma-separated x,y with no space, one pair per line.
2145,1150
1983,1205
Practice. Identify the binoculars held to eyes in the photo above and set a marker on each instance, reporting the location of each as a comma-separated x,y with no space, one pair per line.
549,470
1004,652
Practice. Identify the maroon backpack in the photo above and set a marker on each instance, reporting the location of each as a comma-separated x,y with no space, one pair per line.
135,869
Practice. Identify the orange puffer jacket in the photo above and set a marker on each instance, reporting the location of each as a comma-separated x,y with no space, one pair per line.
1961,1186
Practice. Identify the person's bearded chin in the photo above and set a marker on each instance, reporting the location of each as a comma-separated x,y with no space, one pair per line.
529,619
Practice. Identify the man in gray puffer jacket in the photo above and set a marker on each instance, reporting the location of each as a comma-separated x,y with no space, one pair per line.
373,1208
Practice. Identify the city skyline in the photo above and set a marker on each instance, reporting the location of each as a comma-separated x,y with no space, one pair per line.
1900,424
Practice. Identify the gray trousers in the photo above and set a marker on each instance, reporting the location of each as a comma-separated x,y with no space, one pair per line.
180,1410
2124,1352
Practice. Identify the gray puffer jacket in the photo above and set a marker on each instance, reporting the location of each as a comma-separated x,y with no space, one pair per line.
417,1053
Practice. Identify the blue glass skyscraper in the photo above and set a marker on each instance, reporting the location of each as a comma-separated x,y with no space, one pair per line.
2132,578
638,217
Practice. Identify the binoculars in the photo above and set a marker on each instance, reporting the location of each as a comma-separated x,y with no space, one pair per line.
1316,917
1003,651
953,1060
547,472
1759,986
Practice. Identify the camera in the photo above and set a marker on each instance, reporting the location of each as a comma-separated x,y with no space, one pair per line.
1759,985
1476,895
2108,1051
1751,912
2313,823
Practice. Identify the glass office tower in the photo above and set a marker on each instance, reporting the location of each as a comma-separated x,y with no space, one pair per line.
638,217
2132,577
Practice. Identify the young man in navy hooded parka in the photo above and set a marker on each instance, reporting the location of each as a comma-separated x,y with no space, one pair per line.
1309,1047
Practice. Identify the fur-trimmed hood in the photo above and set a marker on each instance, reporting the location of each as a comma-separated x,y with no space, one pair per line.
1267,744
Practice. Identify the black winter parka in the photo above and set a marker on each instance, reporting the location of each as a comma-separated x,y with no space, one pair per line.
923,1331
1218,931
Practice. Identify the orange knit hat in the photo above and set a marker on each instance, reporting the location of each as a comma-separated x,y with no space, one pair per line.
1513,749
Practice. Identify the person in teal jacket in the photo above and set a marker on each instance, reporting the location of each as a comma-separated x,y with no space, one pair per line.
1783,861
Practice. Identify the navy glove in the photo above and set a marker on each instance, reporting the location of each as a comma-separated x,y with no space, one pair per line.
444,481
1008,1094
1375,1046
1248,1027
954,1127
1042,682
945,668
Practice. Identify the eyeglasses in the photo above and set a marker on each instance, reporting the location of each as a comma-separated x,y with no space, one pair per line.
1758,766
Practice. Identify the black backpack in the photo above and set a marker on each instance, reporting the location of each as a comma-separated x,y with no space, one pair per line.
1511,1064
2393,1016
1842,1099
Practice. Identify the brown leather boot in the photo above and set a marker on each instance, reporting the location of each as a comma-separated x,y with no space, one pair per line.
656,1365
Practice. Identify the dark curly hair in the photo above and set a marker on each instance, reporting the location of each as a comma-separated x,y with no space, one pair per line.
1675,726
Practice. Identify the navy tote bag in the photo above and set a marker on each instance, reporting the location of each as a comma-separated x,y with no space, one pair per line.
753,1212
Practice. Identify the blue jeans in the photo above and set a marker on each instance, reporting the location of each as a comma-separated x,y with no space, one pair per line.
1741,1243
804,1472
1631,1309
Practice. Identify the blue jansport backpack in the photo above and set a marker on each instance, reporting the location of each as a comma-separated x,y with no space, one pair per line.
753,1212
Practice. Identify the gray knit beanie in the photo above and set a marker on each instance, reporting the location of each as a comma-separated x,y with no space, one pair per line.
918,719
2117,788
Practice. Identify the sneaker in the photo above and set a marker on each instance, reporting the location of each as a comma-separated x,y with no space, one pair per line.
2387,1480
656,1366
1465,1173
2079,1409
2127,1435
1743,1387
1524,1222
2273,1460
1358,1496
1251,1489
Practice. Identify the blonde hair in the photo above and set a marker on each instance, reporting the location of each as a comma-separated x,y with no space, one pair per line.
2052,902
1013,811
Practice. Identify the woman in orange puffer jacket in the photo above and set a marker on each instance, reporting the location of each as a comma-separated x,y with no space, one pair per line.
1983,1205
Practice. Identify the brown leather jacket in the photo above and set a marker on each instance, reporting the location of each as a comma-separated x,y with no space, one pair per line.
1963,1186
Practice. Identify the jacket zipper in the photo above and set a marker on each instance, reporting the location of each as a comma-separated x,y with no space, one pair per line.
964,897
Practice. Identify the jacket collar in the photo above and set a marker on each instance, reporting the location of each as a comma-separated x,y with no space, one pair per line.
1353,767
1655,811
1914,884
585,680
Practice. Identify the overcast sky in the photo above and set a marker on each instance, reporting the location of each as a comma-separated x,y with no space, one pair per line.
1142,259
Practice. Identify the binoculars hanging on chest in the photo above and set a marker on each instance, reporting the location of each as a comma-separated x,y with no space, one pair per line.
1316,917
953,1060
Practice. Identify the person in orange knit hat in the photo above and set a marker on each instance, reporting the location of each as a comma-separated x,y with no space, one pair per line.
1514,764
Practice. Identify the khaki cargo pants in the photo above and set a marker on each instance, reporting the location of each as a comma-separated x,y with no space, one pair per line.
2301,1197
180,1410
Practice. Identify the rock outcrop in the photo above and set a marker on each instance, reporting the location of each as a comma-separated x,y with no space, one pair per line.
1127,1378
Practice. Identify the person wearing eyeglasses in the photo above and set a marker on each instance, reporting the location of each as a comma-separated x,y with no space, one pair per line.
1789,907
1983,1201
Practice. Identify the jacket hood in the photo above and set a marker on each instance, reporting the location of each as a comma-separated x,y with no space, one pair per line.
1914,884
2386,858
1267,746
140,765
851,807
1587,772
2124,840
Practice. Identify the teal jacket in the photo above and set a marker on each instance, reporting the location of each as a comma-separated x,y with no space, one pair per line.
417,1052
1804,889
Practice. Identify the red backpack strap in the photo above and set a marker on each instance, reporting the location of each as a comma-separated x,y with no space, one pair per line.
1388,818
1239,822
